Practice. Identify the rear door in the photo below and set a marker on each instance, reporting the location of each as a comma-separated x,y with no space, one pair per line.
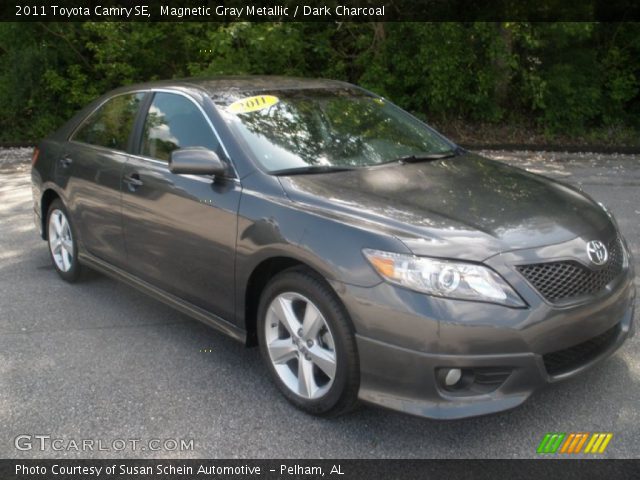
180,230
92,166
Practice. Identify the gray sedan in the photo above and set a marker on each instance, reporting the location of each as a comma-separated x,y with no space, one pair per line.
369,257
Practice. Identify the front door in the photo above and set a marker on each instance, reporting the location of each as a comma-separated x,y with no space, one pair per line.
180,230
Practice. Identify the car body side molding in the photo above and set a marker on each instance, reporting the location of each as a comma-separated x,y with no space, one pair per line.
187,308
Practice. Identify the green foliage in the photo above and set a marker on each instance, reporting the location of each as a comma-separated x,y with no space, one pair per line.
577,75
441,69
566,77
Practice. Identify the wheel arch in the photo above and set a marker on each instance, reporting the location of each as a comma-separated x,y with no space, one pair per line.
260,276
48,197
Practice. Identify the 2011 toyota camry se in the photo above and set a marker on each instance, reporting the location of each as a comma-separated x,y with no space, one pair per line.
369,257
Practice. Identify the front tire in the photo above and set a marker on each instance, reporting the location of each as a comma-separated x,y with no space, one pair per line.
307,341
62,241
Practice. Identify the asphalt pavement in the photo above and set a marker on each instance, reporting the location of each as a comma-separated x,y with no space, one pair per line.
99,361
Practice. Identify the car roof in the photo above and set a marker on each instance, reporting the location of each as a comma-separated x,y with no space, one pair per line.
223,85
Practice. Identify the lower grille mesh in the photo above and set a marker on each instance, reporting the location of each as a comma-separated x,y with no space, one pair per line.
557,281
570,358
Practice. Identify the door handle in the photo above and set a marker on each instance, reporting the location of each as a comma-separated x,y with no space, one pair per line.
66,161
133,181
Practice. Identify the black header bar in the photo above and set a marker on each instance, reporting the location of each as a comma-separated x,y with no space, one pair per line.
319,11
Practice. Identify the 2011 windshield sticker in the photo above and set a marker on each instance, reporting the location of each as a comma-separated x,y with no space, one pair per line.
252,104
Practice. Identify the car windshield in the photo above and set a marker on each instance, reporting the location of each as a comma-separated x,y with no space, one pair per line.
326,129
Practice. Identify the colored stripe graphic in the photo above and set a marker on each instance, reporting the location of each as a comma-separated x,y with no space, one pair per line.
605,443
568,443
572,443
543,443
557,443
593,439
598,443
581,443
551,442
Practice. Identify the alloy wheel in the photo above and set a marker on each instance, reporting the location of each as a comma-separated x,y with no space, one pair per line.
300,345
60,240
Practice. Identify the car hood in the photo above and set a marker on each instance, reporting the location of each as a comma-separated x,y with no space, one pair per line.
465,207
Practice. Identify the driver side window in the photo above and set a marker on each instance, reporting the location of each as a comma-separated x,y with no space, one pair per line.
173,122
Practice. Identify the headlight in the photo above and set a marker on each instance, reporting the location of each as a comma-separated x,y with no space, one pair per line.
443,278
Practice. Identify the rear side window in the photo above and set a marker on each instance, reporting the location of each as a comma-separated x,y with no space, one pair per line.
173,122
110,125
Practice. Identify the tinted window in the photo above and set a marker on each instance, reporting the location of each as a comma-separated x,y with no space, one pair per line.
172,122
111,124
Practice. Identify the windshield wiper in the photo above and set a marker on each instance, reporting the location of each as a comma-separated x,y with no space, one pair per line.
424,157
310,169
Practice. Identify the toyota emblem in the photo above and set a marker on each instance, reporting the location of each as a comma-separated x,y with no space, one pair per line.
597,252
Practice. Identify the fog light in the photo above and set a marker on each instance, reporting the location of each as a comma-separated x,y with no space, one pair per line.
452,376
471,381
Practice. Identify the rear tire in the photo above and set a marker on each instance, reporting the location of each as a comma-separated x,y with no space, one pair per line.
307,342
62,241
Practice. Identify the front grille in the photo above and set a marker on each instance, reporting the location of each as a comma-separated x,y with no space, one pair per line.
558,281
572,358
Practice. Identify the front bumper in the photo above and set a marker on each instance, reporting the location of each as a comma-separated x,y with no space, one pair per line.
399,367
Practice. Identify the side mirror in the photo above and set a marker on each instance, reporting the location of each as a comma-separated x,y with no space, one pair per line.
196,161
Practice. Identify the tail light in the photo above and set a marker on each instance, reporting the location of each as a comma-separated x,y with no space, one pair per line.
34,158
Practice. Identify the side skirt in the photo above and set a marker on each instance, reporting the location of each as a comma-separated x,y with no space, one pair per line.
165,297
